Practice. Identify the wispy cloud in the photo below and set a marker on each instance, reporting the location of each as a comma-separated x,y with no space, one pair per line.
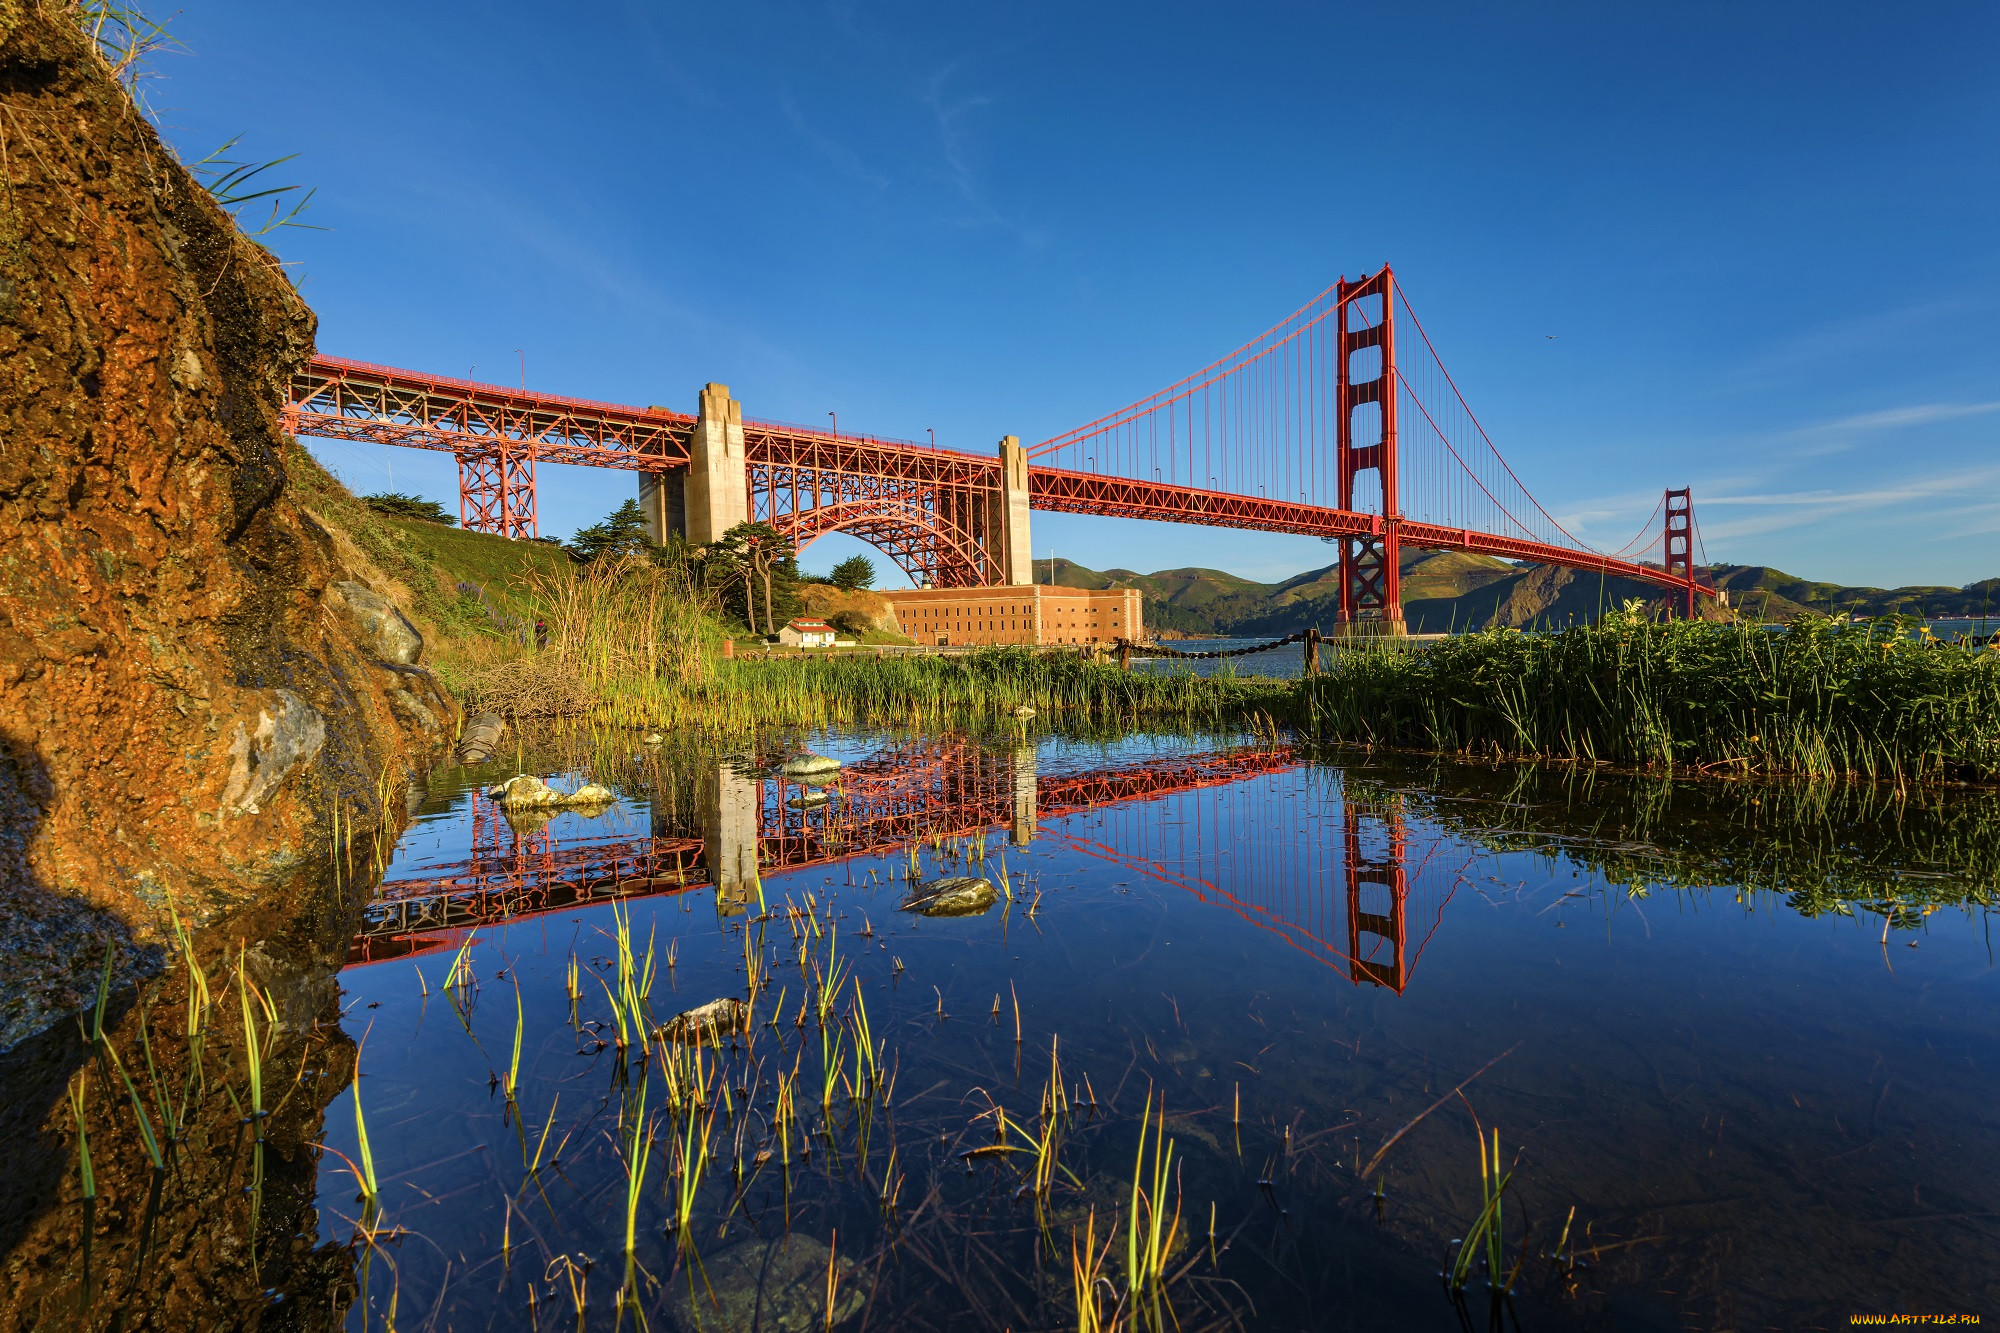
949,114
831,150
1932,497
1843,433
1844,340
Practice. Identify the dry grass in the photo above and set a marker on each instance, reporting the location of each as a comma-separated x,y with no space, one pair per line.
611,626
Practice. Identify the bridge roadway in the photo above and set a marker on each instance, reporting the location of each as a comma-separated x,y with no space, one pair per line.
820,472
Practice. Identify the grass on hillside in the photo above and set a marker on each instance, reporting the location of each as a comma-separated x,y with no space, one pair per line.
423,566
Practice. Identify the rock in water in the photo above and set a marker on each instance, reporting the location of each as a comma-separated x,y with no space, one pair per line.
1023,713
525,791
481,738
961,895
707,1022
775,1286
808,764
811,800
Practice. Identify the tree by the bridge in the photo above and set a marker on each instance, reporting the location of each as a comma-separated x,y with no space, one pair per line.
622,533
409,506
857,571
751,558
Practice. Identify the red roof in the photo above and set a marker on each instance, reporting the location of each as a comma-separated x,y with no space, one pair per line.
809,626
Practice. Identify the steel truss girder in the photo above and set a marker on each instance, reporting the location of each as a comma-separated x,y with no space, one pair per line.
338,399
496,493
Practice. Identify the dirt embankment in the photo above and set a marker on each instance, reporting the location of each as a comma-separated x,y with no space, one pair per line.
190,680
858,608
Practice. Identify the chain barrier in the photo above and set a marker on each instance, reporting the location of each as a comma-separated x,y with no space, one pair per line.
1154,650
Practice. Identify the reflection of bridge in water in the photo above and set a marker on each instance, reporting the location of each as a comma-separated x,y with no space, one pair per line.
734,826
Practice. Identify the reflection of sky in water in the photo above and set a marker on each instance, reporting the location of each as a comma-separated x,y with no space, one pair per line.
1760,1118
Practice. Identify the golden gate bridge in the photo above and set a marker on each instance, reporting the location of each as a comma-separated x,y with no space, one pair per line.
1339,422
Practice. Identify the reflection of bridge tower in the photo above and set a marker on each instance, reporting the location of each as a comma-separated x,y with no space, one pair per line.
731,813
1023,831
1374,875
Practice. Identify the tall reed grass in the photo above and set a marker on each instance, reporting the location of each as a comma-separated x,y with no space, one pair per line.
608,628
1822,697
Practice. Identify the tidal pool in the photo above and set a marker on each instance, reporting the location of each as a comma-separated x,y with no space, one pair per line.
1737,1043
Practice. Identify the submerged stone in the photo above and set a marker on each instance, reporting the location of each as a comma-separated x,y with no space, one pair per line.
806,765
811,800
708,1022
776,1286
525,791
961,895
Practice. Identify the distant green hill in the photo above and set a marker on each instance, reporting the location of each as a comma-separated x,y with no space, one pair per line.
1446,590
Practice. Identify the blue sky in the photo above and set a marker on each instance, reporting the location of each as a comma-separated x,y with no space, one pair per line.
1764,237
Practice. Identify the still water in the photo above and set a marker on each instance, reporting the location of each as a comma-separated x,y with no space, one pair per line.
1735,1044
1764,1108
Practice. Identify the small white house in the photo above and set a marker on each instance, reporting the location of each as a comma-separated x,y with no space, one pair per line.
807,634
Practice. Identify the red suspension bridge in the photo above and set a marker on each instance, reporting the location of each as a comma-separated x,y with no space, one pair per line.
1339,422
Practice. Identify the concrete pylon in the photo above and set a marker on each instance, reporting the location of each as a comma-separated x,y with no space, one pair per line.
715,495
1025,773
1008,540
731,820
663,500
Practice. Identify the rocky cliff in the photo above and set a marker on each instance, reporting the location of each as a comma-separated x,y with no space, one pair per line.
190,681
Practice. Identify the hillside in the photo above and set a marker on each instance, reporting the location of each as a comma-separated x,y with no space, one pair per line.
1446,590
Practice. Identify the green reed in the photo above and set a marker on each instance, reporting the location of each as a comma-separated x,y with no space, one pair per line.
638,1153
693,1160
1822,697
1487,1226
514,1066
1150,1233
370,1191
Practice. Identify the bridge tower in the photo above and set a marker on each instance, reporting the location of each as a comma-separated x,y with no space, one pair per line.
1371,584
1677,542
1376,876
713,494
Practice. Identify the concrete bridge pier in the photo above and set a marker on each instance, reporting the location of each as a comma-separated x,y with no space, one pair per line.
1023,831
1007,534
713,494
731,820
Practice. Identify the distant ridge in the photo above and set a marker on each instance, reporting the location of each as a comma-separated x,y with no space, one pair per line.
1446,590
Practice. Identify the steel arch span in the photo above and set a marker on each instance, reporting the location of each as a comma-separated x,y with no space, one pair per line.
936,531
933,551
